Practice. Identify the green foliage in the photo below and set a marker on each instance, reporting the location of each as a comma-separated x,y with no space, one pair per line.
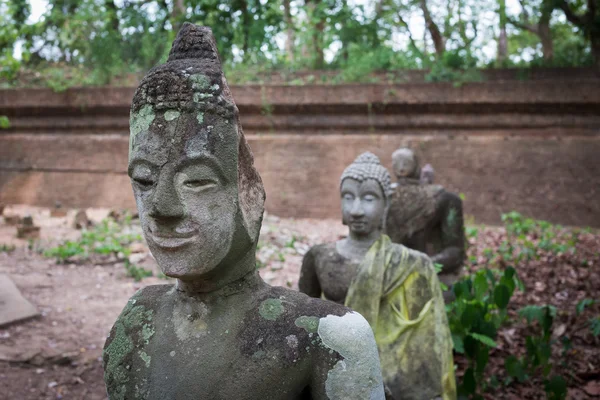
526,237
135,272
476,314
538,352
290,244
105,239
4,122
7,248
115,41
595,325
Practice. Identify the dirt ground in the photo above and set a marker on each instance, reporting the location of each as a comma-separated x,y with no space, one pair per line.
58,355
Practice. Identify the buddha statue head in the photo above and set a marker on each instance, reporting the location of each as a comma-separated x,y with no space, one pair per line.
365,188
199,197
405,164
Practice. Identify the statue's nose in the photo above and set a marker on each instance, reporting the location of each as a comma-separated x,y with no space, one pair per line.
357,209
166,202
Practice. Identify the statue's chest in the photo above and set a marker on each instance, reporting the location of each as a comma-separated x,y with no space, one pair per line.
335,275
194,359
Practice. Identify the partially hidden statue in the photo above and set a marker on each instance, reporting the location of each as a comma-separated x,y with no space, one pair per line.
219,333
426,217
395,288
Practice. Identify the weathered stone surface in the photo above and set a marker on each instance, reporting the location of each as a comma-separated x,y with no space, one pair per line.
13,306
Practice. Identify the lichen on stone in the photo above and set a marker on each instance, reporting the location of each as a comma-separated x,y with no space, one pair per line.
145,358
308,323
270,309
199,82
170,115
140,121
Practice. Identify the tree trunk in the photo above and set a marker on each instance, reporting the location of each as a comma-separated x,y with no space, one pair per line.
434,31
317,34
113,20
502,38
596,51
176,15
246,21
545,35
291,34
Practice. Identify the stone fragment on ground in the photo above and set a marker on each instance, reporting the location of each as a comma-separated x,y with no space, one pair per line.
13,306
27,230
81,220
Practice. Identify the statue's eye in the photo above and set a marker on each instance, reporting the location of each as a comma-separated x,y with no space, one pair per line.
198,183
369,197
143,183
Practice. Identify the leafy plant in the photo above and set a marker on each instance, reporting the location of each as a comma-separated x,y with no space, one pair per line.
137,273
105,239
4,122
476,314
538,352
7,248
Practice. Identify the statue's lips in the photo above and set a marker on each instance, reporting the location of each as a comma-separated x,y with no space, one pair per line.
358,224
172,240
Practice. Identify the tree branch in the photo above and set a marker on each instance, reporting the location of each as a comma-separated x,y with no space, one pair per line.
571,16
410,37
523,25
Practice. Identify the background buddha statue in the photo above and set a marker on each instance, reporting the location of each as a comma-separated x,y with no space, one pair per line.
426,217
395,288
220,332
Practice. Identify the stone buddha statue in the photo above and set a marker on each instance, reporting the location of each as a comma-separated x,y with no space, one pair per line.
395,288
426,217
220,332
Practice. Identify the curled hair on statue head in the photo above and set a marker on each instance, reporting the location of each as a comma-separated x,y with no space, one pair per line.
368,166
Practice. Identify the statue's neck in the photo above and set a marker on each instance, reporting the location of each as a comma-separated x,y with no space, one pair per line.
404,180
356,246
227,279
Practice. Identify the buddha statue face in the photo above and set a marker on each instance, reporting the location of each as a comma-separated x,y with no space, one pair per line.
363,206
405,163
185,185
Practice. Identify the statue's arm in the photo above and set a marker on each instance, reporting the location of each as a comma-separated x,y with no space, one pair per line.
354,374
309,281
453,237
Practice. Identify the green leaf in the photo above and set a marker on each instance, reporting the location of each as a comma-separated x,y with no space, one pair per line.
556,388
459,345
501,296
469,316
483,339
4,122
515,368
480,286
582,305
595,326
469,383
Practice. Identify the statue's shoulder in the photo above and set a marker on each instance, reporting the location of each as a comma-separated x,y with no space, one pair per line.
124,348
305,326
407,256
321,251
140,311
150,297
293,305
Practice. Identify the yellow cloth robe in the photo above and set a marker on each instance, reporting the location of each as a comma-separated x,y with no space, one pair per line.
397,290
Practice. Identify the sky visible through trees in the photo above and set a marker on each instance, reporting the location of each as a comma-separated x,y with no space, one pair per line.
99,40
